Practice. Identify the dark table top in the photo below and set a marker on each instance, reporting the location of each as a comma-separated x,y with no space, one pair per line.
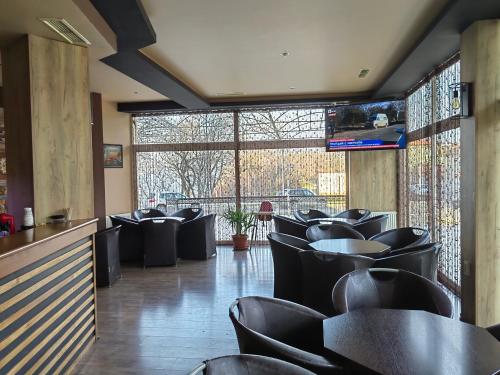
411,342
332,220
351,246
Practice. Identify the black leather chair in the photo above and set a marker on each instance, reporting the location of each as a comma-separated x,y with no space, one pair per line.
320,272
247,364
188,214
495,331
131,245
303,217
389,289
400,238
160,241
196,238
283,330
331,231
422,260
147,213
372,226
285,225
354,213
107,267
287,267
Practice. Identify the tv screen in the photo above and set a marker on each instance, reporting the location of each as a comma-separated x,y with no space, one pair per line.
367,126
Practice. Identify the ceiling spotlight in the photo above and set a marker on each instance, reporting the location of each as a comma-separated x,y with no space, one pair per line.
292,87
285,53
135,92
363,73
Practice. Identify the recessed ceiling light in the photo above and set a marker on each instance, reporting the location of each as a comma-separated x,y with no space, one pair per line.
285,53
233,93
363,73
292,87
135,92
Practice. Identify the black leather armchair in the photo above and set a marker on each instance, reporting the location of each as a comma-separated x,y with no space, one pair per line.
246,364
283,330
354,213
107,256
197,238
400,238
188,214
372,226
389,289
331,231
160,241
131,245
285,225
303,217
147,213
495,331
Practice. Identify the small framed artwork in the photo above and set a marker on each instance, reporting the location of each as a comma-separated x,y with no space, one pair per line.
113,156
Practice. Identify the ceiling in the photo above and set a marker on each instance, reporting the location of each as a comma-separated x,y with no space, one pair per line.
233,48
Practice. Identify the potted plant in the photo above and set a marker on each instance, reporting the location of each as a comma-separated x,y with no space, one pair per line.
241,221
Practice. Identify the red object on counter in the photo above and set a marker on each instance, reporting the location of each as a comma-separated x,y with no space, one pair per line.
8,219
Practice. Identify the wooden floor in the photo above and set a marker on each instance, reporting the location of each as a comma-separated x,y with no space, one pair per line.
166,320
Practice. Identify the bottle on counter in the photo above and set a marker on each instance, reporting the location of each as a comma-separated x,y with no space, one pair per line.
28,221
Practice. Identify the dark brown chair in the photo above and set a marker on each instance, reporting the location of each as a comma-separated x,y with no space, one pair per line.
287,267
247,364
400,238
107,256
303,217
389,289
372,226
160,241
147,213
321,271
196,238
130,242
495,331
354,213
188,214
283,330
285,225
422,260
332,231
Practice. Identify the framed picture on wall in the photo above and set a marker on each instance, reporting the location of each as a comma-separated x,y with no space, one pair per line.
113,156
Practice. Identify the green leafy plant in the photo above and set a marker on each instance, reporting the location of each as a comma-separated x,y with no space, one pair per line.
241,221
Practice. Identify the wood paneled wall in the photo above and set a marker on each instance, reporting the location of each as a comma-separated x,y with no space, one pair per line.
373,180
480,64
48,127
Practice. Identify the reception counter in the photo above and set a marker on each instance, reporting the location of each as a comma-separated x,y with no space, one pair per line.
47,297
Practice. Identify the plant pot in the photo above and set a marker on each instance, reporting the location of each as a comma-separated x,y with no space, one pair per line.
240,242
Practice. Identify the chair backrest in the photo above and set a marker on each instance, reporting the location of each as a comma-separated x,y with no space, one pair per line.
400,238
287,268
387,288
320,273
285,225
372,226
189,213
422,260
248,364
303,216
147,213
494,330
130,238
354,213
265,211
332,231
160,241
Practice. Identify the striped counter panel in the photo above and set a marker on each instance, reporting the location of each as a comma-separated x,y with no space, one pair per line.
47,312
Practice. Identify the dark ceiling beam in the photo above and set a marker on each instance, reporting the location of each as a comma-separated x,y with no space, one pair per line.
133,31
129,21
138,66
440,42
171,106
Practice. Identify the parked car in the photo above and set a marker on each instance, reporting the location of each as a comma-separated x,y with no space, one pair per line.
300,192
166,197
378,120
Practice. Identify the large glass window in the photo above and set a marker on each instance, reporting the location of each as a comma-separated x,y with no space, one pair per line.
276,155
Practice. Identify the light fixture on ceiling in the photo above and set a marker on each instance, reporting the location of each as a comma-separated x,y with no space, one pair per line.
64,29
363,73
285,53
233,93
292,87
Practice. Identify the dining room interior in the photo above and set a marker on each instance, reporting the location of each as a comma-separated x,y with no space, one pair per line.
235,187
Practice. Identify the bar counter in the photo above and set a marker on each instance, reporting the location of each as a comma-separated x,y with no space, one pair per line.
47,297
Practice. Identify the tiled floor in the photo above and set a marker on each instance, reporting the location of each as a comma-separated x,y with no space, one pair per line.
166,320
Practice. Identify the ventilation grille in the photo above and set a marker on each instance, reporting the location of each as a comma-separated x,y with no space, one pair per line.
65,30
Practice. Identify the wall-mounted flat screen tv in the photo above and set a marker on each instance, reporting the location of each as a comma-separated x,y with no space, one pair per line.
366,126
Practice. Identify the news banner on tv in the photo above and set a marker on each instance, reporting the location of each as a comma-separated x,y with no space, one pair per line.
345,144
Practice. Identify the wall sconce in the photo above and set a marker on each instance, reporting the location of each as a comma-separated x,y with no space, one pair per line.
460,99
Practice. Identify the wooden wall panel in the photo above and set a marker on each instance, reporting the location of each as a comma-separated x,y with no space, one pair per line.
62,148
17,116
372,180
98,160
480,64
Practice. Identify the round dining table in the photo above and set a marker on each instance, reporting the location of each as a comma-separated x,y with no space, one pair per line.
351,246
410,342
